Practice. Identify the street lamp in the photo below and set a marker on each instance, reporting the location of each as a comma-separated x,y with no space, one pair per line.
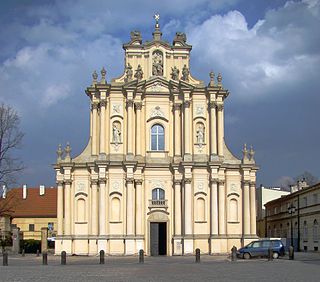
291,211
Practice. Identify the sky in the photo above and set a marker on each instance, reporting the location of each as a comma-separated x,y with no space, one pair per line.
268,53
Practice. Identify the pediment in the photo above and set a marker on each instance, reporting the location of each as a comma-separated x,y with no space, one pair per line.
158,85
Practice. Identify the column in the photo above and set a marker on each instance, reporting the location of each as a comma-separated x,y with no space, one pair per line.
177,207
187,131
222,212
130,127
60,207
67,211
103,126
213,128
102,206
94,207
220,129
94,108
253,228
246,208
177,136
214,206
139,203
138,128
187,207
130,207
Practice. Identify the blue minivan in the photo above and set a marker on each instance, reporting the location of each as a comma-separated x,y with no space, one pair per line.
260,249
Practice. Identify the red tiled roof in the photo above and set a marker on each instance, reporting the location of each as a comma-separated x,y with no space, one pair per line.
34,205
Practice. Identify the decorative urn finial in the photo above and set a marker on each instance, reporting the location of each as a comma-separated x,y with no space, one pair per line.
211,75
219,78
103,76
245,152
59,153
94,78
67,150
251,153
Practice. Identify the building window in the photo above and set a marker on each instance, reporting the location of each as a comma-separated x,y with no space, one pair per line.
315,231
158,194
31,227
50,226
315,199
115,209
305,202
157,138
305,231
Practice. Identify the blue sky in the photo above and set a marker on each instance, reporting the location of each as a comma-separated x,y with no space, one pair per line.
267,51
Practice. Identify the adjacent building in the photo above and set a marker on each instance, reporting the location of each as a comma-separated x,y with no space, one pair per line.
156,174
302,221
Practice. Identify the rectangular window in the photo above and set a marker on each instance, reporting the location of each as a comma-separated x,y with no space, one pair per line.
305,201
31,227
50,226
315,199
13,225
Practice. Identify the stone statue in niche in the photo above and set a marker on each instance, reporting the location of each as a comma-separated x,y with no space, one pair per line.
129,72
185,73
200,134
116,133
139,73
157,63
174,73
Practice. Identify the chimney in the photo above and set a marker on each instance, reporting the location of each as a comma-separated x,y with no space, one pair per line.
24,191
4,191
42,190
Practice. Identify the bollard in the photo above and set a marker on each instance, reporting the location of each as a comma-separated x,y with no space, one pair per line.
102,257
197,255
270,254
23,253
141,256
5,259
234,253
63,258
44,258
291,253
38,253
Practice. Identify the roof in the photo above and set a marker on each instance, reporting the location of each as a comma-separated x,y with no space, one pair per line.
35,205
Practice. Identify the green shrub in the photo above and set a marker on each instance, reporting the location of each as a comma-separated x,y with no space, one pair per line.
31,246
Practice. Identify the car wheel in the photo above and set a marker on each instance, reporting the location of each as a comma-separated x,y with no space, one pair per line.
275,255
246,256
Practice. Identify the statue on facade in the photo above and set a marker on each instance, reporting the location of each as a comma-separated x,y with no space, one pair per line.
59,153
180,36
174,73
200,134
185,73
251,153
129,72
139,73
116,138
245,152
67,150
157,63
136,36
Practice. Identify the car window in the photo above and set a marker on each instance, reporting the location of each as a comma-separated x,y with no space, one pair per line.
266,244
249,245
276,244
256,245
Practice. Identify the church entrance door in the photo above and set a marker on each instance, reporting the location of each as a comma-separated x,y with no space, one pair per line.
158,238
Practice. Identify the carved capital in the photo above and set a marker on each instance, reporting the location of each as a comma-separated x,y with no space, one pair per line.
212,105
186,104
176,107
67,181
129,180
94,106
130,103
102,181
214,180
246,182
94,181
253,184
138,181
177,181
220,107
60,182
138,105
187,180
103,103
221,182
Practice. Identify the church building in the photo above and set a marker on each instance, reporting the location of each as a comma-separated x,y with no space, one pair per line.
156,173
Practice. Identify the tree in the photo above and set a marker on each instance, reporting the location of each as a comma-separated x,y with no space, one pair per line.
308,177
10,140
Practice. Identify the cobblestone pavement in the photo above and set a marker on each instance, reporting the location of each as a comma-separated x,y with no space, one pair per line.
306,267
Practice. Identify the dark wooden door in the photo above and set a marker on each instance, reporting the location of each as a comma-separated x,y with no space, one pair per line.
154,238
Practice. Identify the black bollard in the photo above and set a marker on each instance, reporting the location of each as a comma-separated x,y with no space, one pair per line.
38,253
270,254
197,255
5,259
141,256
63,258
102,257
23,253
44,258
234,253
291,253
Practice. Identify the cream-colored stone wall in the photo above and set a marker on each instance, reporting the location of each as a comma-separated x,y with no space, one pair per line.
105,193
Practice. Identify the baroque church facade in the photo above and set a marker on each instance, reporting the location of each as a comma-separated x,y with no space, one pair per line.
156,173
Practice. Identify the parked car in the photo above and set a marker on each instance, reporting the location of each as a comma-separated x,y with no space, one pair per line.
260,249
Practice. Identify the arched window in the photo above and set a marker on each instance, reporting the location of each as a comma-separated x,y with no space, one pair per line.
315,231
158,194
157,138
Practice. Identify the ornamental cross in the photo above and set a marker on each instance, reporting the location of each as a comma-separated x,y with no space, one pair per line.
157,18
